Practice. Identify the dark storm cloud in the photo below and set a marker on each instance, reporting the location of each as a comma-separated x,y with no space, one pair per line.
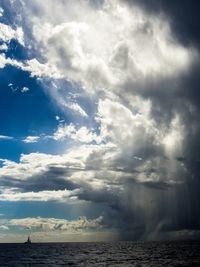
178,96
96,3
135,209
175,95
184,17
51,179
170,97
182,97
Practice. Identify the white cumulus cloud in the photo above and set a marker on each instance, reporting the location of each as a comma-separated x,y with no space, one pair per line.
7,34
82,134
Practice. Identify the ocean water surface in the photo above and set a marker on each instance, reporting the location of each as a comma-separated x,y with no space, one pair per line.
147,254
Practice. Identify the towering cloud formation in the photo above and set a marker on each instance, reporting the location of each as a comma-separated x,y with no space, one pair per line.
135,150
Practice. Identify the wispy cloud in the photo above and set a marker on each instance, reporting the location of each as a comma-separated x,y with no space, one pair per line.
5,137
4,227
1,11
49,195
31,139
77,108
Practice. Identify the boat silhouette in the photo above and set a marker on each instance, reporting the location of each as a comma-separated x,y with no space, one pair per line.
28,240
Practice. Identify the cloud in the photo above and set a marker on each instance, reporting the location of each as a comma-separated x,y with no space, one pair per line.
33,66
98,55
78,109
31,139
8,61
5,137
3,47
4,227
25,89
102,175
83,134
14,194
7,34
53,224
89,169
40,69
183,26
125,127
1,11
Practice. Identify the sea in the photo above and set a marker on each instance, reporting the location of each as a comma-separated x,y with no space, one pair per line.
138,254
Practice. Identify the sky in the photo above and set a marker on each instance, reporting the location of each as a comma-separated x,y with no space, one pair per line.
99,120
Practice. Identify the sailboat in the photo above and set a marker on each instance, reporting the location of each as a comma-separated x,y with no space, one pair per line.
28,240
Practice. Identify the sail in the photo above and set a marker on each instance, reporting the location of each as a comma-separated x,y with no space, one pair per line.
28,240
